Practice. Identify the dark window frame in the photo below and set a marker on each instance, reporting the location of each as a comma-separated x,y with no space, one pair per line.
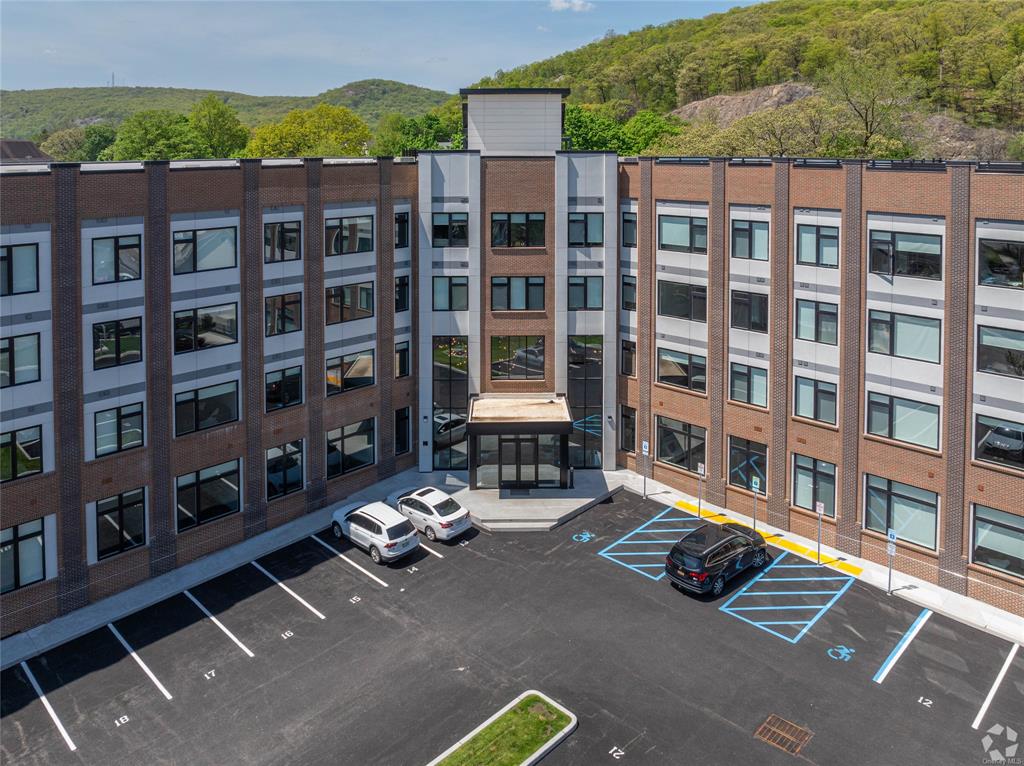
688,432
628,281
820,237
875,401
330,238
453,281
283,302
446,222
195,408
403,436
120,418
995,522
196,487
875,319
627,426
979,345
118,246
195,347
177,238
629,217
627,351
403,297
7,257
287,383
7,349
734,230
889,493
336,295
529,232
119,509
815,472
748,297
501,287
277,249
746,372
517,342
1012,245
15,545
882,244
820,310
690,247
16,445
401,230
748,449
1018,466
339,442
340,361
819,393
286,450
690,369
584,281
690,290
585,218
403,359
118,334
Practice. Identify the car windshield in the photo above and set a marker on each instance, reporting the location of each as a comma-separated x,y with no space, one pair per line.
399,530
685,560
447,507
1009,433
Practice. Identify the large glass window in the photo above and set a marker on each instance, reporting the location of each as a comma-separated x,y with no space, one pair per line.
284,469
348,303
679,368
750,240
352,234
586,229
627,358
120,523
19,360
116,343
19,269
817,246
682,301
282,241
401,293
517,230
208,494
999,441
903,419
517,357
586,368
911,511
749,311
204,408
118,429
815,399
21,453
206,327
904,335
1001,263
896,253
517,293
403,431
403,365
748,384
350,448
451,293
116,259
627,428
748,461
680,444
683,233
284,388
1001,351
629,229
586,293
204,250
998,540
283,314
817,321
451,230
450,375
628,295
22,555
814,481
351,371
401,230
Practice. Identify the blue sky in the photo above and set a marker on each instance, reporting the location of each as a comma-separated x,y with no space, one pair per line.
302,48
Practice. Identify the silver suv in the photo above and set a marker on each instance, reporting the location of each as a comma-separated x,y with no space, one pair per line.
376,528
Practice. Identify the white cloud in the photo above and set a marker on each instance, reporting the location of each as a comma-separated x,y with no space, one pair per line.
542,28
576,6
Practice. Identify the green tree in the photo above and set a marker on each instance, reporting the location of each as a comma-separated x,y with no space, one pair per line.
156,134
66,145
645,128
875,94
587,131
322,131
217,125
98,138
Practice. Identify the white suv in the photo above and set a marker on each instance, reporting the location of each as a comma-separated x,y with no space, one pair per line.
376,528
435,513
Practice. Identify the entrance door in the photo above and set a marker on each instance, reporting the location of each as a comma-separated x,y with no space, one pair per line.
518,458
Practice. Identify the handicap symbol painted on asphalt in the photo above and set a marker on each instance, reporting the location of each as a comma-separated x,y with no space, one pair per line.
583,537
841,652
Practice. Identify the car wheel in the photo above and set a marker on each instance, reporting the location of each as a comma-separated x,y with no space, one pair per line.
336,529
759,558
431,534
718,586
375,556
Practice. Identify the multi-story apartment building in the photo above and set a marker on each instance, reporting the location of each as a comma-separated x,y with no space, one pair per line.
195,352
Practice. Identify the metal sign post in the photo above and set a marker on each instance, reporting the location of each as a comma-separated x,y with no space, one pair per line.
819,508
700,487
890,549
756,484
645,448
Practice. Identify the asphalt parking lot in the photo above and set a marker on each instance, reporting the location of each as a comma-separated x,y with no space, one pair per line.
312,654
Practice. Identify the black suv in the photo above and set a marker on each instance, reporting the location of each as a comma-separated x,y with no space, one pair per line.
707,556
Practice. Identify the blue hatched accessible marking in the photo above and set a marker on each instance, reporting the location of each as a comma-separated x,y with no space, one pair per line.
653,533
748,604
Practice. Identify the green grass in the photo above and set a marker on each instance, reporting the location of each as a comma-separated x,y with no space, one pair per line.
513,737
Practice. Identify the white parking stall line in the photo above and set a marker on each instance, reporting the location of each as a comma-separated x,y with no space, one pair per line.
995,686
138,659
290,592
431,550
902,645
218,623
49,707
348,561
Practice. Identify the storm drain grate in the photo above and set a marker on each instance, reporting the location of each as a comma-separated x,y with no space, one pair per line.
783,734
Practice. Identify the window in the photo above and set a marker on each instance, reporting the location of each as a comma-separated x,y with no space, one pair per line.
19,269
118,429
586,293
517,293
450,374
815,399
283,314
345,236
204,408
629,229
749,311
208,494
517,357
349,303
1001,351
628,299
747,461
402,362
585,375
202,328
911,511
680,444
22,555
678,368
627,358
903,420
999,441
401,230
817,246
282,241
814,481
403,431
451,293
627,428
682,301
1000,263
586,229
21,453
120,523
350,448
451,230
284,469
284,388
116,343
204,250
116,259
683,233
817,321
401,294
748,384
19,360
750,240
517,230
903,335
998,540
895,253
345,373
